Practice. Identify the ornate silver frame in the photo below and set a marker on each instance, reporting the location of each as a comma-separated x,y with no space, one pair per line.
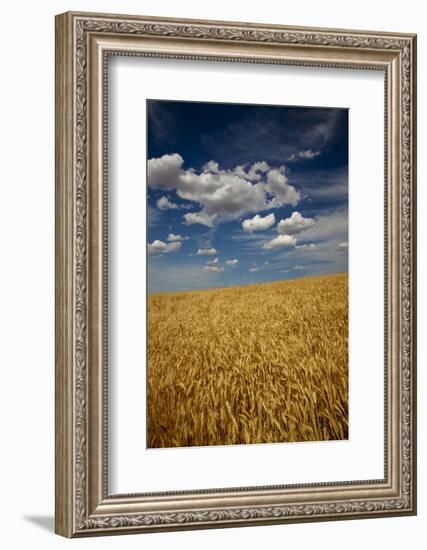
83,42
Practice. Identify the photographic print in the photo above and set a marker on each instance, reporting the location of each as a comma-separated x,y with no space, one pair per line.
247,254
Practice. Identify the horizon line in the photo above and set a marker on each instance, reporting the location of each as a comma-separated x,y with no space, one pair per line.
246,284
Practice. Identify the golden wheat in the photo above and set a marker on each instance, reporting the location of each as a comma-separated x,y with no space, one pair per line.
260,363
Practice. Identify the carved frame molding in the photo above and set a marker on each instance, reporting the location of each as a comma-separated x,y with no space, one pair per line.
83,42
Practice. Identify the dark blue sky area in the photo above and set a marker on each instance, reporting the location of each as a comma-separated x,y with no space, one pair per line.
240,194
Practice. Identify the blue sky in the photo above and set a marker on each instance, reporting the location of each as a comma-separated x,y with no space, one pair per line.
241,194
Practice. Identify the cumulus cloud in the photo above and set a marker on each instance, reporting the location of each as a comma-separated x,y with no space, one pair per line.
223,195
211,166
176,238
164,171
165,204
258,223
207,252
232,263
295,224
213,262
342,247
213,269
308,154
280,241
199,217
253,269
299,267
160,247
283,193
255,171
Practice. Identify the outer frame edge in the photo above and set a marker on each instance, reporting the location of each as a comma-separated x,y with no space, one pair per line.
64,380
63,278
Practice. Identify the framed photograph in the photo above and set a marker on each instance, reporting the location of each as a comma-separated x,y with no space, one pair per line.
235,274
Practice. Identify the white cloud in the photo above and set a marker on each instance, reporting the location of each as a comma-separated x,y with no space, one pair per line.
255,171
160,247
299,267
213,262
199,217
211,166
308,154
309,247
277,185
232,263
165,204
223,195
279,241
207,252
176,238
164,172
342,246
295,224
253,269
213,269
257,223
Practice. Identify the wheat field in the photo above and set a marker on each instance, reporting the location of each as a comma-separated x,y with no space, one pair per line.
261,363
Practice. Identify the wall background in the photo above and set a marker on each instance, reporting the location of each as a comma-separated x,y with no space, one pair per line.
27,273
